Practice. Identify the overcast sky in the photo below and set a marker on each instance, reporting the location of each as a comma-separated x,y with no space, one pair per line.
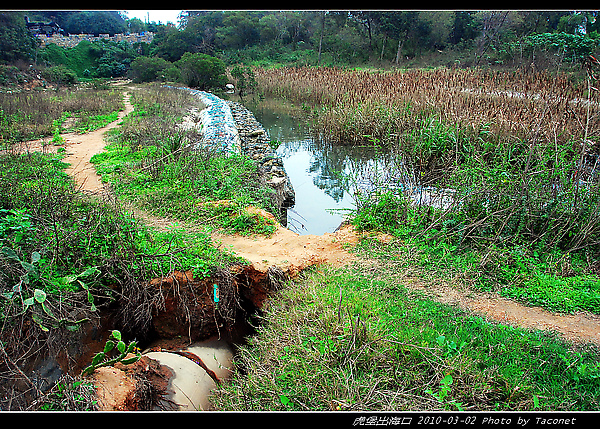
163,16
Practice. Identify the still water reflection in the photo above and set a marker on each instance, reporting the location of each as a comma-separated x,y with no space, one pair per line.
321,173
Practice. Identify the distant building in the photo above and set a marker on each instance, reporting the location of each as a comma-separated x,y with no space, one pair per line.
44,28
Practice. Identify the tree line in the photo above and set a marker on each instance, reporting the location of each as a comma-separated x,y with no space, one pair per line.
321,37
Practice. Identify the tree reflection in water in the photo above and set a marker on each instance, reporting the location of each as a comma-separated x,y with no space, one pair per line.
323,175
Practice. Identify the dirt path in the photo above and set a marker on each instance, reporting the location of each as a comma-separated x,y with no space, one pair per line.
81,148
577,328
292,252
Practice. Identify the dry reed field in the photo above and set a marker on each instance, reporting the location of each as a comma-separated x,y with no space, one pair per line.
30,115
519,104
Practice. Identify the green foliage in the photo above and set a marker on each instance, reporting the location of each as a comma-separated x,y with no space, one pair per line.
85,124
10,75
16,42
60,74
80,58
144,69
98,59
245,79
70,394
383,212
571,47
115,351
15,226
202,71
37,304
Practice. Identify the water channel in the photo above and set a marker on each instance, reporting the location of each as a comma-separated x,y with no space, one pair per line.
322,174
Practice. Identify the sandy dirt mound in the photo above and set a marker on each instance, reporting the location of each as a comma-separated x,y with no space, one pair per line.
290,251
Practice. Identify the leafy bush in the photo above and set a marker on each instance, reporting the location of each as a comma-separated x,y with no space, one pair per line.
145,69
202,71
60,74
573,47
382,212
9,75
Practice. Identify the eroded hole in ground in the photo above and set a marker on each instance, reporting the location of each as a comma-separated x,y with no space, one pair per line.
193,338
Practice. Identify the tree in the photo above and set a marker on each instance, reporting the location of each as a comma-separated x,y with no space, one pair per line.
95,22
168,44
397,25
144,69
321,35
463,27
202,71
365,18
16,42
239,29
136,25
245,79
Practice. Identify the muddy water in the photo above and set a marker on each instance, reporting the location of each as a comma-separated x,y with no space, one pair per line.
322,174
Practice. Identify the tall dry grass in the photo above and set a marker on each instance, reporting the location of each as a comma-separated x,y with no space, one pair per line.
29,115
354,103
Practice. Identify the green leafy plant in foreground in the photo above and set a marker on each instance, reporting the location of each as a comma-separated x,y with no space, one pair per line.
39,300
114,345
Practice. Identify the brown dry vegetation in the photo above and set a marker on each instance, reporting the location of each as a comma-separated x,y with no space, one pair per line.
29,115
517,103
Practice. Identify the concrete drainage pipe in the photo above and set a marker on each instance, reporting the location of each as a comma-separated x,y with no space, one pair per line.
197,370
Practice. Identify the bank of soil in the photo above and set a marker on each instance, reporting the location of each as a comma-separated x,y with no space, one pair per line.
285,253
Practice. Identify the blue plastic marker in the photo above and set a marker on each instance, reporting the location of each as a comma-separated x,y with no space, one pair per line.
216,294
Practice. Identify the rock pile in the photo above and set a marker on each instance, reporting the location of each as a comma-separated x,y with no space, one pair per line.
256,144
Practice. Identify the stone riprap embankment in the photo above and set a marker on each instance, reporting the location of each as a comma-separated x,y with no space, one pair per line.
231,128
215,122
256,144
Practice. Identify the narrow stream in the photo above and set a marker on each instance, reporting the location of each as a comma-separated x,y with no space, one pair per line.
321,173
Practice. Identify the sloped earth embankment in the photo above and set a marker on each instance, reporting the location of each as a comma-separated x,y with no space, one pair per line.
192,358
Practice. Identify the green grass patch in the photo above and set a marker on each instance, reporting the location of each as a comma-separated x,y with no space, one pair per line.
356,338
556,281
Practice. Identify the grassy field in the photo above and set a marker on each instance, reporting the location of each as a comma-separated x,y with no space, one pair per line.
351,338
